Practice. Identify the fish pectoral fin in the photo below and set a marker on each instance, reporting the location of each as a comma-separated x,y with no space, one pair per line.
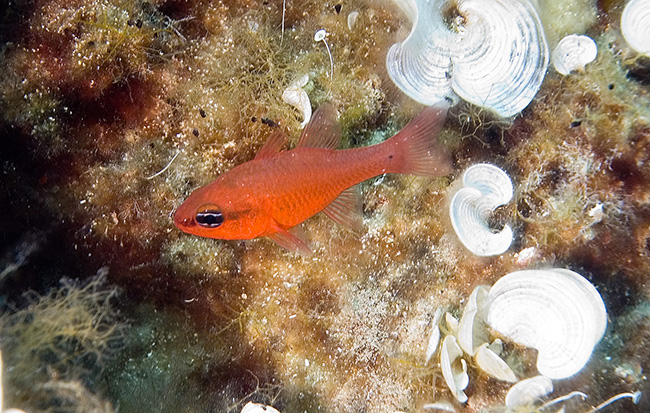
272,146
322,131
293,240
346,209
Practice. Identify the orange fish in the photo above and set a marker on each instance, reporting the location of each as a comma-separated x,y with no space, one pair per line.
276,191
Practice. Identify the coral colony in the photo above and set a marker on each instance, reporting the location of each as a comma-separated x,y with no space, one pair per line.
518,282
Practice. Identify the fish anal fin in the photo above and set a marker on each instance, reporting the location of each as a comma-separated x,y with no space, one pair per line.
293,240
272,146
346,209
322,131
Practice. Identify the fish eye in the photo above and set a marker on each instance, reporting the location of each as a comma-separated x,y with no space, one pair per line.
209,216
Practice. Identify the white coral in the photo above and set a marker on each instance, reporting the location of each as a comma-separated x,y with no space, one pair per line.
492,53
296,96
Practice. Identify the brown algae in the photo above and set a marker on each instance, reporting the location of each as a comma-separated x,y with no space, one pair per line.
115,111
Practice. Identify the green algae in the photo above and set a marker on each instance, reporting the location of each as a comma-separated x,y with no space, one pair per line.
152,100
60,340
169,365
160,355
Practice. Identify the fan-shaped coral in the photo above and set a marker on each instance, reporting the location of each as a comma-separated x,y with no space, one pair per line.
556,311
485,187
573,53
635,25
492,53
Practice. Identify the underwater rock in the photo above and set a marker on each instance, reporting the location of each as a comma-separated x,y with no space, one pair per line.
490,53
166,114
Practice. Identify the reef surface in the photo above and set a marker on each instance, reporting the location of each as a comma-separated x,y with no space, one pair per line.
112,112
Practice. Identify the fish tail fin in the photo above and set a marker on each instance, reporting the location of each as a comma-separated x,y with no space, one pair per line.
415,149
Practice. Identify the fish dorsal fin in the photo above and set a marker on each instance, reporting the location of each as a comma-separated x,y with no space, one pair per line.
322,131
272,145
293,240
346,209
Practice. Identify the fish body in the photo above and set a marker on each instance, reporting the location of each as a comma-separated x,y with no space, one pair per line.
276,191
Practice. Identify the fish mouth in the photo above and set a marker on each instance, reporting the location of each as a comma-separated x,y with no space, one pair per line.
188,222
183,222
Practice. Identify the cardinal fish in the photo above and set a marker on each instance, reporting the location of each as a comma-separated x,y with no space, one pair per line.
273,193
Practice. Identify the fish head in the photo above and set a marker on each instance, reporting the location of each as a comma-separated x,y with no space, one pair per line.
215,211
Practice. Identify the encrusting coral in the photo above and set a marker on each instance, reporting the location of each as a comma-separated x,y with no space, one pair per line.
115,111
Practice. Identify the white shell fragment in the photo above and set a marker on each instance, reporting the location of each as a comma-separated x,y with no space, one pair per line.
492,53
434,338
352,19
529,391
574,52
452,324
490,362
472,331
635,25
485,188
556,311
296,96
251,407
454,368
441,406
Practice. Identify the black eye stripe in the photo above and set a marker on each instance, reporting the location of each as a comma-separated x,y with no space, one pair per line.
209,218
